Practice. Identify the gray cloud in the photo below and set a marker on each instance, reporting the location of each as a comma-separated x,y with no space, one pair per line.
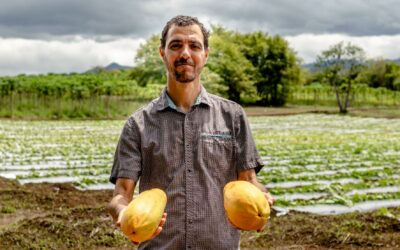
118,18
289,17
49,18
41,36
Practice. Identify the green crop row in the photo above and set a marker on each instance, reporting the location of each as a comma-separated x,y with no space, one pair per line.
317,151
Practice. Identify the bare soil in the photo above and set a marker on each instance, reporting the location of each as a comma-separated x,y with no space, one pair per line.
58,216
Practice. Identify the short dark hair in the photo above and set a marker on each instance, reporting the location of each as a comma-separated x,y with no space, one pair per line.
182,21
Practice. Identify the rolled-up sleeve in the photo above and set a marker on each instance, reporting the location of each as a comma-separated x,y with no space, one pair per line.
246,153
128,157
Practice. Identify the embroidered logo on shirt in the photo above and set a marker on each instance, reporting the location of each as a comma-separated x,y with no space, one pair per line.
219,135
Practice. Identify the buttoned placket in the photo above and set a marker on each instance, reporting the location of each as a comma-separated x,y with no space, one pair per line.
188,137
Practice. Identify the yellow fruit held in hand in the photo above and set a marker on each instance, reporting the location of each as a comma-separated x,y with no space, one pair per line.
143,215
245,205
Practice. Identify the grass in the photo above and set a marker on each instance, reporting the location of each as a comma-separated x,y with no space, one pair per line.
65,109
7,209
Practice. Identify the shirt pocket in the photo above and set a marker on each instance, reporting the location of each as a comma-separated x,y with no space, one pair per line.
216,154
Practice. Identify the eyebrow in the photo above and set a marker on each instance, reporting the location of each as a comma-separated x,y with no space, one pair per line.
180,41
175,41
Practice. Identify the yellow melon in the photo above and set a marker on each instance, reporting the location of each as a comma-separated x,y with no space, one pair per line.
143,215
245,205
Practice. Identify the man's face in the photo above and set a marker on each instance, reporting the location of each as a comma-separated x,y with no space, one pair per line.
184,54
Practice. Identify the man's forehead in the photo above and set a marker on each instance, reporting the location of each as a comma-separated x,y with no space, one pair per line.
191,32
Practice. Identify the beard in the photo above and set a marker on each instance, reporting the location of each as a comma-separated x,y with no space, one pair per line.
184,77
182,74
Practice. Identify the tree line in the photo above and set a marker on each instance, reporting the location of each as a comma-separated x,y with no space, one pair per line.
255,68
249,68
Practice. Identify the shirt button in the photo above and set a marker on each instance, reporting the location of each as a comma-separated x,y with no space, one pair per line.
190,221
189,170
189,247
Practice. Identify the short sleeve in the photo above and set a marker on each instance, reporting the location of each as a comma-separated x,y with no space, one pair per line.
246,153
127,158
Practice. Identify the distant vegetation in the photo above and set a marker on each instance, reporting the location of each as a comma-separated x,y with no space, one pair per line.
55,96
251,69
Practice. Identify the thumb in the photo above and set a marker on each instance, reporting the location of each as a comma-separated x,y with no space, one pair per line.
118,222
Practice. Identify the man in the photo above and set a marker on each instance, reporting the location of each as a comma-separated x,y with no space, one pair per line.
190,144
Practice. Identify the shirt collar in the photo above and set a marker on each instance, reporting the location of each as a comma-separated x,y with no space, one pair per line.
165,101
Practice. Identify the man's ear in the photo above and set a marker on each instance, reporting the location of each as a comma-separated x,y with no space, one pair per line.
161,52
206,54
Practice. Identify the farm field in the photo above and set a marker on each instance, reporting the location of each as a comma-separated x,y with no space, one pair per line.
313,162
327,165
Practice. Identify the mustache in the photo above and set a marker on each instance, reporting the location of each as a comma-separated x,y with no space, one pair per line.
183,61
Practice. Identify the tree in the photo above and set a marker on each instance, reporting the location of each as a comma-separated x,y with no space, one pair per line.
244,68
226,60
150,68
340,65
212,82
276,66
381,73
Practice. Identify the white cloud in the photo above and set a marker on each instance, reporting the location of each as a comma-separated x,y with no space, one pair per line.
75,54
78,54
308,46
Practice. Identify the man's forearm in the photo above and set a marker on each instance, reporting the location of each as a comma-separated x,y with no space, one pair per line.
122,196
250,176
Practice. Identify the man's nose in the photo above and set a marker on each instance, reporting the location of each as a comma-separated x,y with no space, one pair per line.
185,52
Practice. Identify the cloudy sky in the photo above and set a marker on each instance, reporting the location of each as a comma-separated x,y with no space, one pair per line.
41,36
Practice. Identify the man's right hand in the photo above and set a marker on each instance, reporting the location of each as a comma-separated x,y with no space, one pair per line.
123,194
160,227
157,232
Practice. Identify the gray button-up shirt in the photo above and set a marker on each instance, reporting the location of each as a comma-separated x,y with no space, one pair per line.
191,156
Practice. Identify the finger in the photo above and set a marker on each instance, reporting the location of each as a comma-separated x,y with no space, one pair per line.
270,199
118,222
157,232
159,228
162,222
164,216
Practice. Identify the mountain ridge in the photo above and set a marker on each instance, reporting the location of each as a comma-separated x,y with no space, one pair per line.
109,67
312,66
